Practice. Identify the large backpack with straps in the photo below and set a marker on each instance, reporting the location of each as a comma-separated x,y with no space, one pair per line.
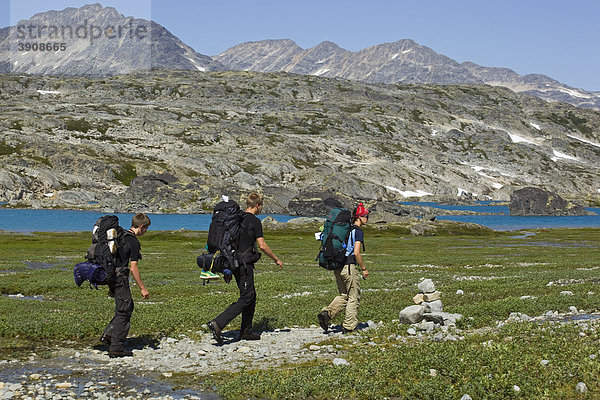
100,268
334,239
223,239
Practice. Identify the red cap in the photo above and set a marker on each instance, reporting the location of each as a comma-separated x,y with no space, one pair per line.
361,211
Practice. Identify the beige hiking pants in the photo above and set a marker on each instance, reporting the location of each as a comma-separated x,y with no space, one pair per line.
348,282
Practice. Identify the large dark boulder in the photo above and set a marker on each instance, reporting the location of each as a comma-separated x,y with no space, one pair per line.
531,201
310,204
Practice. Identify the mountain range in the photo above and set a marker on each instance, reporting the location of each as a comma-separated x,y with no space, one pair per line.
402,62
99,41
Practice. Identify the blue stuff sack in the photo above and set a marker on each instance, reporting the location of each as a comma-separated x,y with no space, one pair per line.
93,273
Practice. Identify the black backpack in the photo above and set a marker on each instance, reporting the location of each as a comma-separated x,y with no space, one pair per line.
106,238
223,238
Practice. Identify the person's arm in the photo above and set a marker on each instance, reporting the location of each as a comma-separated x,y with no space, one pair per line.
133,266
359,259
264,247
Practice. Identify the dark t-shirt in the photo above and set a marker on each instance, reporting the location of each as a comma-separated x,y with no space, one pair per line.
359,236
251,230
129,251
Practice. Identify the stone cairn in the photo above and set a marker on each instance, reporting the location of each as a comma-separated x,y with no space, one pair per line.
428,308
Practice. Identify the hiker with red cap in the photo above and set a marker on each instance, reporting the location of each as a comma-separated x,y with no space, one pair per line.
347,277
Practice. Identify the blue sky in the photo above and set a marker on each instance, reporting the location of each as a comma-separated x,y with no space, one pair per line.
558,38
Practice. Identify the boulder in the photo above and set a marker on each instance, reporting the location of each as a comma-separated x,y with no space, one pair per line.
426,286
412,314
449,318
309,204
534,201
419,298
432,296
433,306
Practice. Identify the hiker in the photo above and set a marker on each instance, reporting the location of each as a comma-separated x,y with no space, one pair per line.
251,234
347,278
127,259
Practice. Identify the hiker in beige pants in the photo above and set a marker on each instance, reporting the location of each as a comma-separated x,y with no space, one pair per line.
348,279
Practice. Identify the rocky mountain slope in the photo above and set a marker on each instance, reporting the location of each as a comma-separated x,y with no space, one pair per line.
93,41
400,62
174,141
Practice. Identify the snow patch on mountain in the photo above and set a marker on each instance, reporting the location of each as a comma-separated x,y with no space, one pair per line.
409,193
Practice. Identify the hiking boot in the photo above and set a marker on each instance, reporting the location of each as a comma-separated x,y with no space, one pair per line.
249,336
105,338
119,354
324,320
216,331
346,331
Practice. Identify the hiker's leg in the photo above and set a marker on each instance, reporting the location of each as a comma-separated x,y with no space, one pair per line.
240,305
351,318
123,310
248,294
108,331
339,302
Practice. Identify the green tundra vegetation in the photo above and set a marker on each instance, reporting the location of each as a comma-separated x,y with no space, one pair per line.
499,273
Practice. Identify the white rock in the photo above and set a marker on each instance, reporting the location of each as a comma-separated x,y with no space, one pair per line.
63,385
460,292
432,372
566,293
426,286
340,361
573,310
167,374
466,397
544,362
516,389
314,347
412,314
411,331
581,387
35,377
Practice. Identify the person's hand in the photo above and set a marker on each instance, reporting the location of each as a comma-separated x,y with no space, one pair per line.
365,273
280,263
145,293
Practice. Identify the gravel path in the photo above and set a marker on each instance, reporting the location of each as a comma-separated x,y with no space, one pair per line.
90,373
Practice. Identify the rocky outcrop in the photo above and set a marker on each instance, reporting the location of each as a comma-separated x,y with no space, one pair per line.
316,203
175,141
532,201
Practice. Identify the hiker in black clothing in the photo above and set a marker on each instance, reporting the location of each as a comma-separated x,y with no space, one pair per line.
251,234
128,255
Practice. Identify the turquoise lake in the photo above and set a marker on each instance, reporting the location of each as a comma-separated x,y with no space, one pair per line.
27,220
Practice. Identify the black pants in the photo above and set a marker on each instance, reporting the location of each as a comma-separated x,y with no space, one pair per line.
246,304
118,328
